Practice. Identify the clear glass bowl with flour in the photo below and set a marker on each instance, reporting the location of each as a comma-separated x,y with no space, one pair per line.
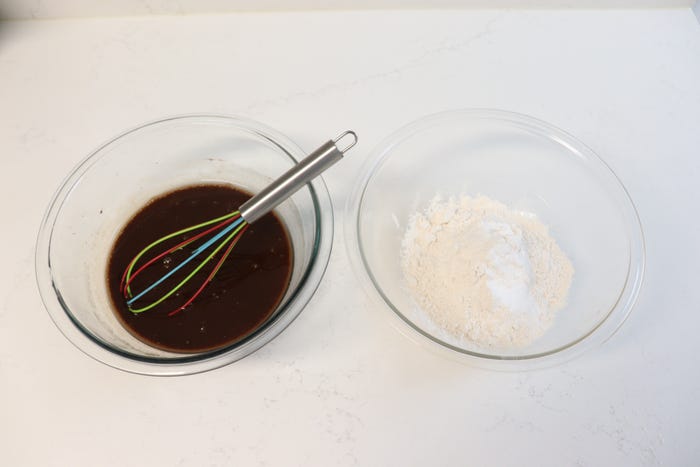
497,237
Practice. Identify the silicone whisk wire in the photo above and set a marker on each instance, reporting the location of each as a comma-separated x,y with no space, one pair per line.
233,226
211,274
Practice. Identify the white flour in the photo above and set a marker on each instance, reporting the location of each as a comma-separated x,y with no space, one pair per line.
484,273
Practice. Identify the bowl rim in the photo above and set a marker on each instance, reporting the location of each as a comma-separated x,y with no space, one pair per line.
195,363
603,331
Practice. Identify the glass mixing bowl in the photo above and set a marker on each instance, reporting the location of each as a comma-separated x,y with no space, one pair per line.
530,166
108,187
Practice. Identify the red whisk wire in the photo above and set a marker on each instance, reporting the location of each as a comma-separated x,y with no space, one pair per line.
212,274
124,284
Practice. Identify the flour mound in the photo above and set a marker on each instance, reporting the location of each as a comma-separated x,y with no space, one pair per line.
484,273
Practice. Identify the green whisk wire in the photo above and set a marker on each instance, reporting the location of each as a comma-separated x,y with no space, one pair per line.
191,274
130,269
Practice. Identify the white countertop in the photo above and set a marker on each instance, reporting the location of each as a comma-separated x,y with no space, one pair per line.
341,386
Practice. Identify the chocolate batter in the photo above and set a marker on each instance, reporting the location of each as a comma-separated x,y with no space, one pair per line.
242,295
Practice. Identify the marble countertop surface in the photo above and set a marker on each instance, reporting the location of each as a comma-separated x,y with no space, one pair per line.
341,386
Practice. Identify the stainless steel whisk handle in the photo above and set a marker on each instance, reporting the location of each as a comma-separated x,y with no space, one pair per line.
288,183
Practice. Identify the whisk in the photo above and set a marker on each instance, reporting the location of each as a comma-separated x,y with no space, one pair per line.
222,233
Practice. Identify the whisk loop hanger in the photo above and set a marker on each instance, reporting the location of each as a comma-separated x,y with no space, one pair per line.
226,230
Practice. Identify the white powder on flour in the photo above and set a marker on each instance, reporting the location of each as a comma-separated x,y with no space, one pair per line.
485,273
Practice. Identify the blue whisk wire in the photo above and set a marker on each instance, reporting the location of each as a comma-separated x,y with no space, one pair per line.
192,255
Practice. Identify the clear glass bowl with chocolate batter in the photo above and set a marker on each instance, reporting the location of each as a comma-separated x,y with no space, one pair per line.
103,193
